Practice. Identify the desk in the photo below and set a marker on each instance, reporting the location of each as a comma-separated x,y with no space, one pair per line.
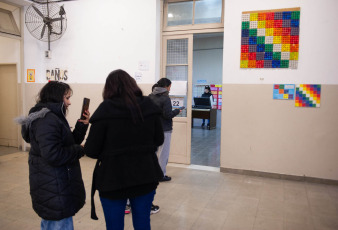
205,114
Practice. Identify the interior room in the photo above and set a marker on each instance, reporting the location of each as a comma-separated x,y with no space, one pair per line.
207,71
268,159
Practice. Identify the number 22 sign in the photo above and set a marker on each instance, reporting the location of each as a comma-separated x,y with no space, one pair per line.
177,102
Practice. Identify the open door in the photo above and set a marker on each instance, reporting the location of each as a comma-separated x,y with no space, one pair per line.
177,66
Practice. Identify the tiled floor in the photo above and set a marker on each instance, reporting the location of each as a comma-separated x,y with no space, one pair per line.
205,144
193,200
4,150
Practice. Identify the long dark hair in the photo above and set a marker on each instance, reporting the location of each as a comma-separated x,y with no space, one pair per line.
119,84
53,92
163,82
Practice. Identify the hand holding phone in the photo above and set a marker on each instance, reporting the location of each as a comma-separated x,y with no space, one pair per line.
85,107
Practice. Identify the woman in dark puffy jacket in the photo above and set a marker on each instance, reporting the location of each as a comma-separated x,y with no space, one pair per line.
125,133
55,179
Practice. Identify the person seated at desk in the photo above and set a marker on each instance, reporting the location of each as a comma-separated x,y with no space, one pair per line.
207,93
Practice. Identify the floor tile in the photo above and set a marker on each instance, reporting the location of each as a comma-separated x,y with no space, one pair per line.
194,199
268,224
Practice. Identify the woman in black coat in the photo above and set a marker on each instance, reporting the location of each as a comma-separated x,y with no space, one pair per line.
125,133
55,179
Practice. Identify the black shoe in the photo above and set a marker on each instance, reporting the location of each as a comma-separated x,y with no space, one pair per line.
165,178
154,209
202,125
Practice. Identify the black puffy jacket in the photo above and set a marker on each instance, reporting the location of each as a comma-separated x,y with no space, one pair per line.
160,96
55,179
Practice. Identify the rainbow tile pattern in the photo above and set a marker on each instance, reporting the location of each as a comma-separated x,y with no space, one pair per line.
284,91
270,40
308,96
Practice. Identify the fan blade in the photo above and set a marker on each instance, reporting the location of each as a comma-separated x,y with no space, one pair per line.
38,11
56,19
43,30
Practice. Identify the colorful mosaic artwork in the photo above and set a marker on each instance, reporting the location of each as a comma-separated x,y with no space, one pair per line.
270,39
284,92
308,96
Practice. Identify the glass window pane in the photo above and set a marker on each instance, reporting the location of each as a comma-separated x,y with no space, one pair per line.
7,23
177,51
208,11
177,73
179,13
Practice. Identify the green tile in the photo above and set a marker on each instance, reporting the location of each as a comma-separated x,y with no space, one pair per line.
284,64
245,25
276,55
295,15
261,40
281,86
268,47
253,32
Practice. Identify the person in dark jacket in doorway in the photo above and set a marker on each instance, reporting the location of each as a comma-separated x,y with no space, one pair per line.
125,132
55,179
160,95
207,93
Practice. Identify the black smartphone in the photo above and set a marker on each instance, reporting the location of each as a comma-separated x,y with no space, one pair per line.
85,106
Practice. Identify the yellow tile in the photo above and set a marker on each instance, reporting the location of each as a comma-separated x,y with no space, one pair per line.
244,63
254,17
269,32
294,56
261,24
286,48
277,39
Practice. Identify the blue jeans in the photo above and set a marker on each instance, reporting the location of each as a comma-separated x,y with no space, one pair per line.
140,206
204,121
64,224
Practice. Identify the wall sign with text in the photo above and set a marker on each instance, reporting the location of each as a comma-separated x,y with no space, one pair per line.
177,102
56,74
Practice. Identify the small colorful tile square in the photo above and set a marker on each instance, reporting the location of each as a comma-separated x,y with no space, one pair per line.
284,92
270,39
308,96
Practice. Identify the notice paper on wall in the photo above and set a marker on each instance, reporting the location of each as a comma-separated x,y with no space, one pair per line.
143,65
178,88
138,77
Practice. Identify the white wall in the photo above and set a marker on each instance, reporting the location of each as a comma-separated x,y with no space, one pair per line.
317,43
262,134
100,37
208,60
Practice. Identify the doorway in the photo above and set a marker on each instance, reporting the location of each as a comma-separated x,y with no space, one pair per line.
8,106
183,22
207,73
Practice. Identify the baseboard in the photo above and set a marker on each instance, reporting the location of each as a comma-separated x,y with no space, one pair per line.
279,176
